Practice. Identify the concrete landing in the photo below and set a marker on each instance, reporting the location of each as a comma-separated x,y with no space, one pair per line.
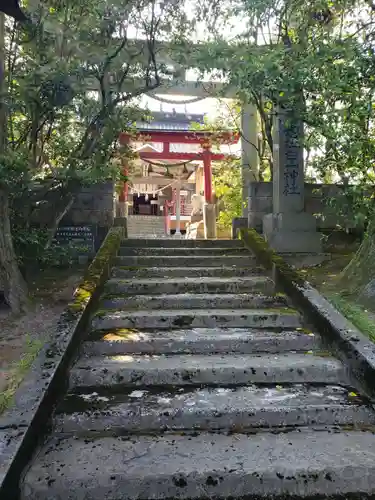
198,341
215,370
204,466
138,286
241,408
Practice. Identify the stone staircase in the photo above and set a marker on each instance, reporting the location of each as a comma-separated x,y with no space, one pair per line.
197,380
146,226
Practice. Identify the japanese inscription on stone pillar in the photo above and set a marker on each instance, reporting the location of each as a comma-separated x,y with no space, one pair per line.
293,159
288,162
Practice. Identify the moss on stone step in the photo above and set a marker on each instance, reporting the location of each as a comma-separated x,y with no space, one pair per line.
98,271
267,256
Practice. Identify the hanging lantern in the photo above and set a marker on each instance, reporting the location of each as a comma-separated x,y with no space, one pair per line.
146,197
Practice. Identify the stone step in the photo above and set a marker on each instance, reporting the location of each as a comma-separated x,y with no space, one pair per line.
213,370
177,243
183,251
140,218
195,301
144,225
262,284
137,224
188,272
145,233
198,318
297,464
235,409
245,260
198,341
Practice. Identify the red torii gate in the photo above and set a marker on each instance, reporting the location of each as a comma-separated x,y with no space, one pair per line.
203,138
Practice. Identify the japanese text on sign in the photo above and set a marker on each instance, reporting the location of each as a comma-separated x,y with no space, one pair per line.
292,158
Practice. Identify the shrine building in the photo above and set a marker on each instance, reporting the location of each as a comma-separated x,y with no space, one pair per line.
173,162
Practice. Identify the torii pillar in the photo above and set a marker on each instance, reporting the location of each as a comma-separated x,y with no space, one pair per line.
209,209
249,154
123,202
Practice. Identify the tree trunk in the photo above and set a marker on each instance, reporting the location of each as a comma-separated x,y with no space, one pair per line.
60,211
358,278
15,289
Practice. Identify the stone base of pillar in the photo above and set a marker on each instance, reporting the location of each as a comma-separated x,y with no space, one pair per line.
255,221
292,233
122,222
122,209
237,224
209,217
256,202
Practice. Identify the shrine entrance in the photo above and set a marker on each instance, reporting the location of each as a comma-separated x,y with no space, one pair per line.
179,167
144,205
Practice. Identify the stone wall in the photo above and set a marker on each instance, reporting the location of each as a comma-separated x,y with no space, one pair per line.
316,196
94,206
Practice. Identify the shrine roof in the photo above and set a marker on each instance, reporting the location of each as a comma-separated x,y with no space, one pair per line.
170,121
180,136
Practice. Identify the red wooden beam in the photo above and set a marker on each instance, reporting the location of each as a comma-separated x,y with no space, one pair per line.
180,137
182,156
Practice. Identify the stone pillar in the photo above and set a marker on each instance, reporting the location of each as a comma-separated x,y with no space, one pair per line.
123,202
178,208
249,151
209,220
122,222
289,228
209,210
123,208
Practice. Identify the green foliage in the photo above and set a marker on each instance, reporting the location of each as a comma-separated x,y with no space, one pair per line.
73,81
33,250
227,180
18,372
323,51
355,313
227,176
